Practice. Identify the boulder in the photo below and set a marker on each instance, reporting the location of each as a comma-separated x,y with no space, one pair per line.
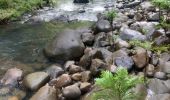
160,75
153,17
12,77
45,93
87,38
76,76
119,53
54,71
65,46
74,69
150,70
128,34
166,67
71,92
86,76
35,80
102,26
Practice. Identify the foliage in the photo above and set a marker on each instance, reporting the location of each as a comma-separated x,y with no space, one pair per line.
12,9
163,4
144,44
164,24
111,15
117,86
160,49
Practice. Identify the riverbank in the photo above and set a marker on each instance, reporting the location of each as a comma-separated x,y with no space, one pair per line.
78,56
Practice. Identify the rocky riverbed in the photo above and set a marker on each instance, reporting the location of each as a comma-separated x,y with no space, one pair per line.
78,56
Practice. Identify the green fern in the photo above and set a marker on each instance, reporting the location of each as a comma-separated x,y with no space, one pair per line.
144,44
116,87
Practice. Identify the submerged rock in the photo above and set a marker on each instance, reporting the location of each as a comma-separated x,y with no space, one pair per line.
65,46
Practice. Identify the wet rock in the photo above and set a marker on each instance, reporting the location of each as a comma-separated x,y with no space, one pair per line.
71,92
140,58
125,61
165,96
97,66
87,38
158,86
85,86
103,26
74,69
61,81
68,63
128,34
54,71
12,77
160,75
150,70
45,93
65,46
76,76
86,76
153,17
35,80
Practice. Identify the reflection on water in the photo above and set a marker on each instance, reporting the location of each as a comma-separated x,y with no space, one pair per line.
21,44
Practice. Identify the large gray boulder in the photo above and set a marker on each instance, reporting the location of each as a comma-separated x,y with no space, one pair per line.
65,46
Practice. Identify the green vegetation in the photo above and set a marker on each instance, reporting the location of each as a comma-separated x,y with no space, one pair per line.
162,4
160,49
111,15
144,44
118,86
12,9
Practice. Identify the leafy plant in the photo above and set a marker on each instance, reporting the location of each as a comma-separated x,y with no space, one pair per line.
160,49
111,15
117,86
144,44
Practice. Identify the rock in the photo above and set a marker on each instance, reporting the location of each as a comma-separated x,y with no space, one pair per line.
97,66
165,56
81,1
103,26
131,4
85,60
125,61
54,71
165,96
86,76
35,80
61,81
154,60
106,55
13,98
120,18
85,86
74,69
140,58
68,63
128,34
121,44
153,17
162,40
141,90
150,70
45,93
101,40
160,75
65,46
71,92
12,77
87,38
119,53
76,76
158,86
112,68
148,6
166,67
138,17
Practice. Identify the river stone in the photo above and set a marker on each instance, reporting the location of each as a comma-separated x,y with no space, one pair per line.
160,75
45,93
153,17
63,80
158,86
54,71
106,55
85,86
74,69
86,76
71,92
125,61
150,70
128,34
147,5
162,40
87,38
65,46
140,58
67,64
103,26
76,76
165,96
35,80
11,77
166,67
81,1
119,53
121,44
97,66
